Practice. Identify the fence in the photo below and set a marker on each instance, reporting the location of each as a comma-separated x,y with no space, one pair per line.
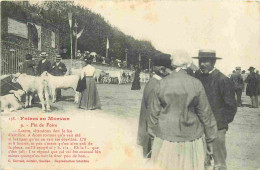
13,56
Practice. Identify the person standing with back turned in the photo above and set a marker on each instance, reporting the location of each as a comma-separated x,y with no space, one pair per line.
179,116
239,84
143,137
221,95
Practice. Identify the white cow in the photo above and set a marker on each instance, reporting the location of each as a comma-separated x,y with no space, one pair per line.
31,85
62,82
74,71
77,71
115,74
12,101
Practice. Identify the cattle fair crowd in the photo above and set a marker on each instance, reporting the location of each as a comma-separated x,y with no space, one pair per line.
184,113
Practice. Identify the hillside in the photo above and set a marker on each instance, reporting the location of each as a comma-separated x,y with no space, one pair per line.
95,34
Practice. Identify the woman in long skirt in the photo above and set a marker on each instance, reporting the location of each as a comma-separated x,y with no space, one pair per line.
136,83
179,115
87,86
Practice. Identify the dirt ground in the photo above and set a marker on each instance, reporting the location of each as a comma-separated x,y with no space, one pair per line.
120,113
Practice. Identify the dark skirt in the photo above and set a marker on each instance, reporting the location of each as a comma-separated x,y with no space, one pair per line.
89,96
136,84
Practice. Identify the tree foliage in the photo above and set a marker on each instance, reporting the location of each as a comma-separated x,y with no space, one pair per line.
96,31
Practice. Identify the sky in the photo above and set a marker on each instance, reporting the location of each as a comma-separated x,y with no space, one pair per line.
232,29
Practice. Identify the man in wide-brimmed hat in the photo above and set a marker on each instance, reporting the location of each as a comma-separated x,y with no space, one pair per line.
239,84
58,69
221,95
44,64
252,87
143,138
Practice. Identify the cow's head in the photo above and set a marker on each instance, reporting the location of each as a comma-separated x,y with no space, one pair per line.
17,93
15,77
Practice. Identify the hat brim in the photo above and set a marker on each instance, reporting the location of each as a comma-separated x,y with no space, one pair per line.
217,58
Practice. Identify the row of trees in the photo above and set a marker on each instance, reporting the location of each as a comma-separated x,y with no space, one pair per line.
96,31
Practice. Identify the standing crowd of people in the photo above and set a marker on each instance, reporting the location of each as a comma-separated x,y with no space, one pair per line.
89,98
184,117
250,82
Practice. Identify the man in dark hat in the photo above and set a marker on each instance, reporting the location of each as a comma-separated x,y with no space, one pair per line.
28,65
221,95
252,87
143,138
44,64
58,69
239,84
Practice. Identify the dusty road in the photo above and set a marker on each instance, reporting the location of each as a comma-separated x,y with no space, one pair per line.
119,115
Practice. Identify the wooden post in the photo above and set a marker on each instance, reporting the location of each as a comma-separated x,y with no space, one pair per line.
126,56
76,26
139,61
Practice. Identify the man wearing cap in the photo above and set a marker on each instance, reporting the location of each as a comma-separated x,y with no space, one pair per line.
58,69
239,84
221,95
44,64
252,87
143,138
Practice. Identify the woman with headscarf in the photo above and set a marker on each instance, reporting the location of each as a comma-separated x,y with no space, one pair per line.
87,86
179,116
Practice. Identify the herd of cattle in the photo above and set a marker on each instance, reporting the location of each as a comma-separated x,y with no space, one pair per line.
112,76
46,85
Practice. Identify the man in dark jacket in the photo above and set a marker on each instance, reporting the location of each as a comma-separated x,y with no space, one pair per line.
252,87
221,95
58,69
44,64
239,84
28,65
143,137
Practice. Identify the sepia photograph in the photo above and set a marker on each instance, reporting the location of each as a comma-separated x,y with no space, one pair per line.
130,84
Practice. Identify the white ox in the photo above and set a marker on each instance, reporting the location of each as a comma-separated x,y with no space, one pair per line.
74,71
115,74
62,82
12,101
77,71
32,84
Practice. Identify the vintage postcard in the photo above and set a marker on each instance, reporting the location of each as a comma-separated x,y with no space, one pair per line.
144,84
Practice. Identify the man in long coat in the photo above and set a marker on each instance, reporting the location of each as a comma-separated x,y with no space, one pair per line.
143,138
221,95
252,87
239,84
44,64
58,69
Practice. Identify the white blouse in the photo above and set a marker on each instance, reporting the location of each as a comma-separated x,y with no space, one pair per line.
88,71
